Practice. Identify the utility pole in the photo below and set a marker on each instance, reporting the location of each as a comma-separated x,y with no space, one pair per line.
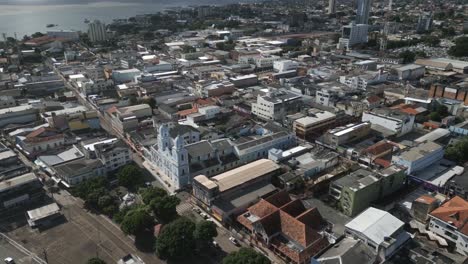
44,252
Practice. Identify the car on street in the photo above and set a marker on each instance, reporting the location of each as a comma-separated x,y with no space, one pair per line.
215,244
205,216
9,260
197,210
234,241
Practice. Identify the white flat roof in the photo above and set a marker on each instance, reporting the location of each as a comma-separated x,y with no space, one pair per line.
43,212
90,147
375,224
76,76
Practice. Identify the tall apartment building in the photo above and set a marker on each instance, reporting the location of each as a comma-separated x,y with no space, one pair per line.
363,10
97,31
331,7
353,34
275,105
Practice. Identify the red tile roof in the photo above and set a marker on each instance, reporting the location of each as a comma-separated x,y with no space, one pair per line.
383,162
454,211
373,99
284,219
379,148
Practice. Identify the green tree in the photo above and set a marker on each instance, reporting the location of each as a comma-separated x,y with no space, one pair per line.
165,207
37,35
136,221
149,101
435,116
95,261
150,193
130,176
459,151
432,41
460,49
176,240
442,110
246,256
188,49
133,100
407,56
449,32
205,231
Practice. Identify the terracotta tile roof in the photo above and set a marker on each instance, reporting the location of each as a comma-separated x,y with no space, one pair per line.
373,99
379,148
187,112
455,211
279,199
284,219
383,162
36,132
426,199
205,102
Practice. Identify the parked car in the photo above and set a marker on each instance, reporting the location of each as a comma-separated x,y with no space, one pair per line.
215,244
197,210
9,260
234,241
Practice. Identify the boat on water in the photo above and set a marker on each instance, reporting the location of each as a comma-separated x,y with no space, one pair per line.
50,25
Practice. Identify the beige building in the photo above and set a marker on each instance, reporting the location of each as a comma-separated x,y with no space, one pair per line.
234,190
311,126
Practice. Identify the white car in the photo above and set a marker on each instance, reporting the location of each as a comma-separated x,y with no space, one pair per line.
234,241
215,244
9,260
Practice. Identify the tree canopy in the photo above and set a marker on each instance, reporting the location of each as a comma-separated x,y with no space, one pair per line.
461,47
165,207
205,231
130,176
459,151
176,240
246,256
136,220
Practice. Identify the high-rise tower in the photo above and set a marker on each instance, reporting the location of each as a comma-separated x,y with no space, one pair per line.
331,6
363,10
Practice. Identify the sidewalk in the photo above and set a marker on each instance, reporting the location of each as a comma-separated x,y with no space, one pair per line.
160,177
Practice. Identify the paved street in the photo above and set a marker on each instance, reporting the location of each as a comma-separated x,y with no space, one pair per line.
335,217
20,257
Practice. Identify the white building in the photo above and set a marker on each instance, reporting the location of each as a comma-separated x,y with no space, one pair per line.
265,61
410,72
450,221
112,152
353,34
275,105
419,157
361,81
394,121
180,155
285,65
97,31
66,34
123,76
95,87
379,230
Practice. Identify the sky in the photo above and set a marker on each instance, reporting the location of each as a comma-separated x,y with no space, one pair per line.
62,2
